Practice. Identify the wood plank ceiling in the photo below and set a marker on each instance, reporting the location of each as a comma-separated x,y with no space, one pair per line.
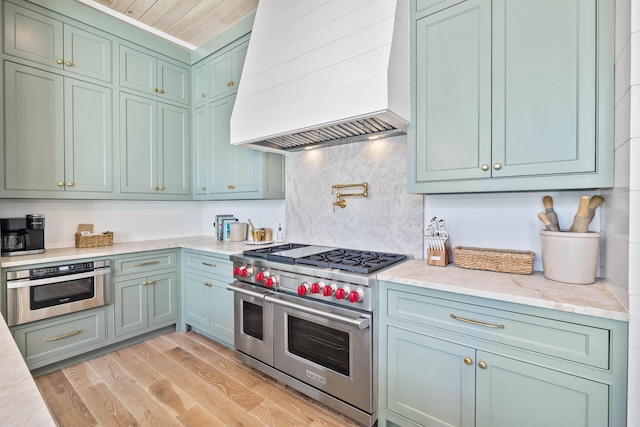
192,21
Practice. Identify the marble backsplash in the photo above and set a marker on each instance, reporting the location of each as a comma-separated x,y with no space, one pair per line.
389,219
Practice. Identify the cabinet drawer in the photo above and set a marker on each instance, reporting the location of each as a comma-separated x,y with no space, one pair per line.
146,262
208,264
571,341
68,334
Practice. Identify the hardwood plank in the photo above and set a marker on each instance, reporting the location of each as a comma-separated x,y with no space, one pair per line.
198,417
175,13
145,409
65,405
81,375
139,8
106,407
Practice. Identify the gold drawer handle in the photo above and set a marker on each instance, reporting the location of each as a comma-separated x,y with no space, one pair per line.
208,264
70,334
141,264
477,322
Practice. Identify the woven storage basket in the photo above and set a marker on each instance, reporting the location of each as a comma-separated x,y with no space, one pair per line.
501,260
104,239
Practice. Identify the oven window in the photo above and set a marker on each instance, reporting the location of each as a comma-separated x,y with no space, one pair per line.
252,320
319,344
61,293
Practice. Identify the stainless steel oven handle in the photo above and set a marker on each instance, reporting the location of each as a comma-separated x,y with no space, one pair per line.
15,284
259,295
360,323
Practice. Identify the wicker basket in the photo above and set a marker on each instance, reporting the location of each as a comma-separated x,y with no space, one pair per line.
501,260
92,240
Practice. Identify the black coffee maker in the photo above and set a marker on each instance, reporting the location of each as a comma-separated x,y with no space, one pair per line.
22,236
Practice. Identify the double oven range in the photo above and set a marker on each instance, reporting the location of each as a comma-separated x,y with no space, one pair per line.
304,315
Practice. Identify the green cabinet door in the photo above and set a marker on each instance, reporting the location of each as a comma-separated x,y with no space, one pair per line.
514,393
162,295
130,306
429,381
173,150
226,70
87,54
34,129
453,93
174,82
201,145
200,83
223,316
88,148
197,300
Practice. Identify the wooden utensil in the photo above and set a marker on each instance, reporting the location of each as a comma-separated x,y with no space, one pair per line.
593,205
581,218
547,201
547,222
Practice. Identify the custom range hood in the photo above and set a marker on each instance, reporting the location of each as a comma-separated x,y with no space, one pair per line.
323,72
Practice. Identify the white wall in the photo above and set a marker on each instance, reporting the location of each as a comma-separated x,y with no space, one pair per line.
138,220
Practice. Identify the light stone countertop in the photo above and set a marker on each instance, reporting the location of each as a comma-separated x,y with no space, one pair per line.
534,290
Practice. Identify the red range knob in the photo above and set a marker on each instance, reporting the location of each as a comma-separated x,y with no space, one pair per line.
355,296
317,287
303,289
244,272
327,291
341,293
236,271
260,276
270,282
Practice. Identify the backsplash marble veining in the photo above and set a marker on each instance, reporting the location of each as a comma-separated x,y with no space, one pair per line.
387,220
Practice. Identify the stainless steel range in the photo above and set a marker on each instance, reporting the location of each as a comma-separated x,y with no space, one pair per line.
305,316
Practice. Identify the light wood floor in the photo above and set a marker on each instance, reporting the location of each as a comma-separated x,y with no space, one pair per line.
176,379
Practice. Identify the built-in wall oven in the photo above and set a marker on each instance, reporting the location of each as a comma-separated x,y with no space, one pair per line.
44,292
311,326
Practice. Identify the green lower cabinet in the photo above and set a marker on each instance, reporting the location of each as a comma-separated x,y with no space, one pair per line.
145,303
456,360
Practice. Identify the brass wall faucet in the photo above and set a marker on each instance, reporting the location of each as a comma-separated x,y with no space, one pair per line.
340,201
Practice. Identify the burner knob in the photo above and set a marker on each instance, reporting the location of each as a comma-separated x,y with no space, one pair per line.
260,276
304,289
328,290
271,281
355,296
317,287
236,271
246,271
342,293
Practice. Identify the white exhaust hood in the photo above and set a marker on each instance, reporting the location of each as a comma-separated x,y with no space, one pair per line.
323,72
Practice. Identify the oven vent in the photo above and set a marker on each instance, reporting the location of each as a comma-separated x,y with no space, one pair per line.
342,133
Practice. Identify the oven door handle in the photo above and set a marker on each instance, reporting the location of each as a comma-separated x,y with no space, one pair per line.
360,323
259,295
15,284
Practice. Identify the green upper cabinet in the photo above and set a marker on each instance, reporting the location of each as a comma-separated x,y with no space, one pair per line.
52,145
149,75
225,71
511,95
154,147
44,40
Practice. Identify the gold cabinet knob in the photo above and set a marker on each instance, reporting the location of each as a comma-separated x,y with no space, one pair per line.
60,184
150,282
497,166
485,167
467,361
161,188
231,187
203,94
230,83
69,184
155,187
144,283
160,91
155,89
208,284
59,61
68,63
482,365
203,188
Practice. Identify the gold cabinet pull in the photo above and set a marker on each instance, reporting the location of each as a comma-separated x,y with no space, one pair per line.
497,166
69,184
467,361
208,264
477,322
59,61
60,184
208,284
231,187
70,334
68,63
485,167
230,83
141,264
482,365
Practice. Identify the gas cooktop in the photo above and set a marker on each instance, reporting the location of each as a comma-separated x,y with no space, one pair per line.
352,260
